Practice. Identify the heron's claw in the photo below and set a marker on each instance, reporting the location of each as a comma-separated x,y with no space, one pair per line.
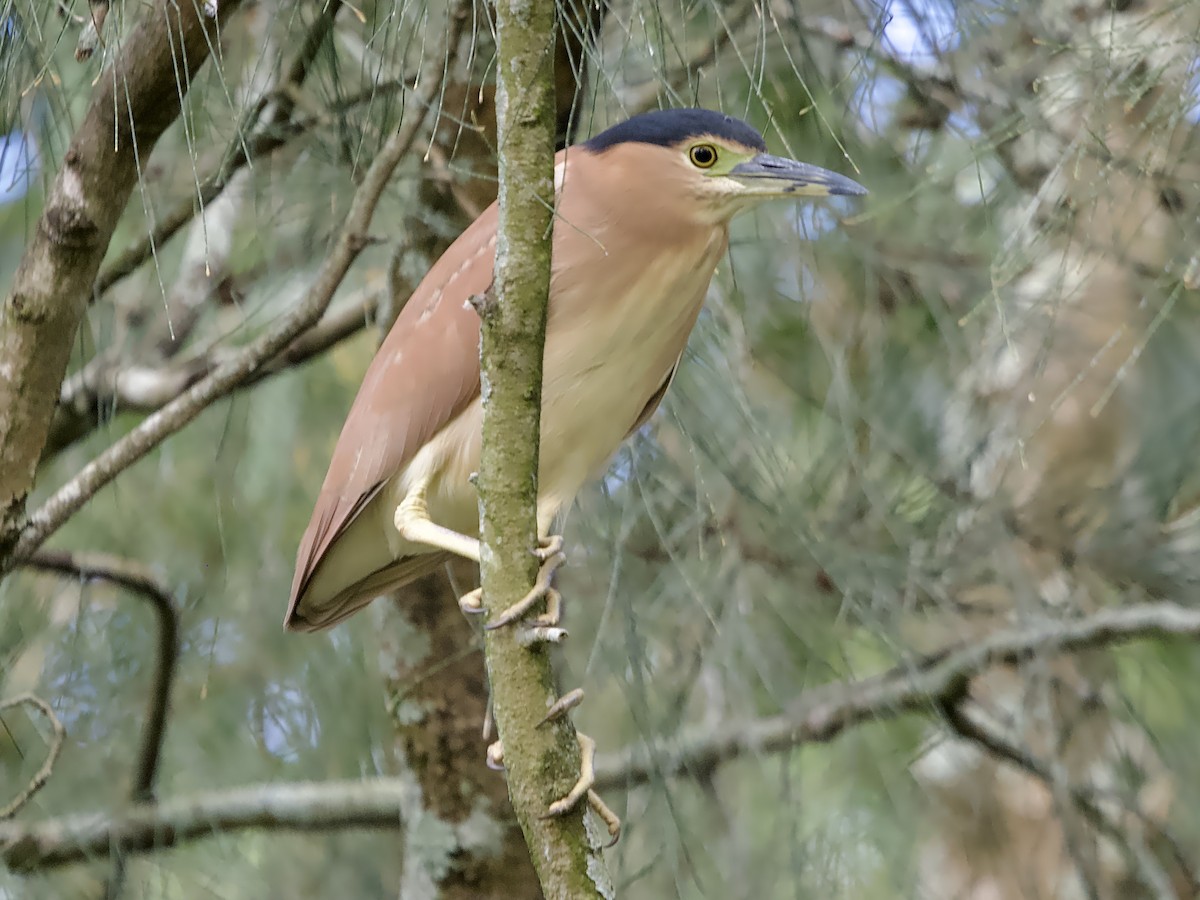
471,603
495,756
541,588
562,706
611,820
587,778
587,769
549,546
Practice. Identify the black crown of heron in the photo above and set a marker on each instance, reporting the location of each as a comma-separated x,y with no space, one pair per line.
643,216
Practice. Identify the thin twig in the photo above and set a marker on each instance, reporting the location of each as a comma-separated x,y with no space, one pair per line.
924,686
146,389
304,806
57,738
1084,798
352,239
275,110
134,578
93,26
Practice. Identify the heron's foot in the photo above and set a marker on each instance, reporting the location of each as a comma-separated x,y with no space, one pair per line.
541,589
549,546
587,771
471,603
583,789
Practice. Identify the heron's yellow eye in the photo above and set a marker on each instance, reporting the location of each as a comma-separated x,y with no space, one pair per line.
703,156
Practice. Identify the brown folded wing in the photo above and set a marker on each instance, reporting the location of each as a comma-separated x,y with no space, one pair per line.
424,374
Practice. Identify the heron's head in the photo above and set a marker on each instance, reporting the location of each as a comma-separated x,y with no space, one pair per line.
709,165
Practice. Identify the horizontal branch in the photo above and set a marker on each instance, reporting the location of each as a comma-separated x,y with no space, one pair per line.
306,806
926,685
930,685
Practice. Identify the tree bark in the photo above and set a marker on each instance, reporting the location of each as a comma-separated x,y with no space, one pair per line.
541,763
441,678
438,697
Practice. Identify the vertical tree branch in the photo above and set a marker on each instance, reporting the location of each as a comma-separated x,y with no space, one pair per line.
135,101
542,763
437,687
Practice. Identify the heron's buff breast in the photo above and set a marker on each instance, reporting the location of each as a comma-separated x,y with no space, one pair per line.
606,356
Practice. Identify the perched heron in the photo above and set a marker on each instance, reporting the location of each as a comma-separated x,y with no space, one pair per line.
642,219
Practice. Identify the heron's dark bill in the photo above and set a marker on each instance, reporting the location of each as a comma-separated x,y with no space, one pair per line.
782,176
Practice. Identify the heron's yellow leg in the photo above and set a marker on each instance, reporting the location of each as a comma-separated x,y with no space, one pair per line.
541,588
587,773
544,627
413,522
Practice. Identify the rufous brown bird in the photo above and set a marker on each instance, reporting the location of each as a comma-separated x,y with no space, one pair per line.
642,219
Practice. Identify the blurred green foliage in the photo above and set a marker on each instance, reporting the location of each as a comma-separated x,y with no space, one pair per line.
800,511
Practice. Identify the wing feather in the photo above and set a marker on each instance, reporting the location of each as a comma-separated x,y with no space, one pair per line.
425,373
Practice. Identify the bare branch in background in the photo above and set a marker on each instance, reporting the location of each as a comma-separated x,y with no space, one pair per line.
932,686
136,579
58,737
350,242
323,806
135,388
926,685
266,127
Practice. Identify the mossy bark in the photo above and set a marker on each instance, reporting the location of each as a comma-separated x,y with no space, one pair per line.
541,763
470,847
